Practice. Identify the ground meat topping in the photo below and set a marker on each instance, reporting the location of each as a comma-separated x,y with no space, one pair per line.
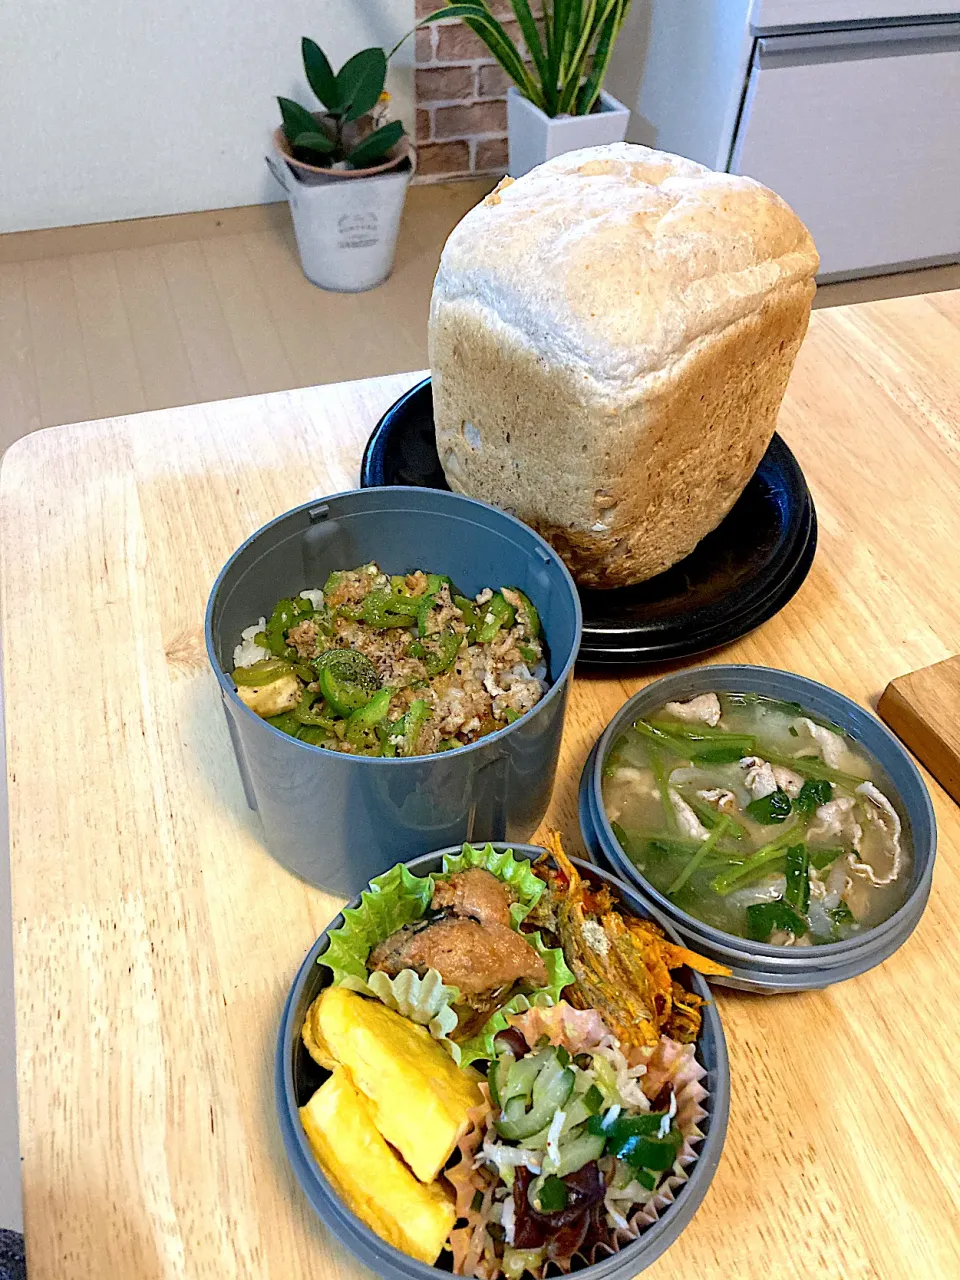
305,638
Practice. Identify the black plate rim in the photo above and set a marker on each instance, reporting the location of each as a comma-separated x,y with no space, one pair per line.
705,642
752,604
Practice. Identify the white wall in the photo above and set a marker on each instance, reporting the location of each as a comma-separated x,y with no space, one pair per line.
125,108
680,66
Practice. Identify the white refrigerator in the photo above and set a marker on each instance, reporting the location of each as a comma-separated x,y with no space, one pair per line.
850,110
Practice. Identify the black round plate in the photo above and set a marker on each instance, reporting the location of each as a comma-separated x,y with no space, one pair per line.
738,577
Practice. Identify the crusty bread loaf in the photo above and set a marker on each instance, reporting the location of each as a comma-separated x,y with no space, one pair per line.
610,339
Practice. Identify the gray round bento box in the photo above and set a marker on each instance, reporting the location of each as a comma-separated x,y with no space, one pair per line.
337,820
759,966
296,1076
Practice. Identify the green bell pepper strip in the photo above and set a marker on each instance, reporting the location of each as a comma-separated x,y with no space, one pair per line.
442,652
764,917
286,614
347,679
286,722
314,735
263,672
424,608
362,724
312,710
418,713
382,610
471,619
494,616
526,614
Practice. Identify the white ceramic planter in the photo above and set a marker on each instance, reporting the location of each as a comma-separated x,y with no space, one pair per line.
346,226
535,137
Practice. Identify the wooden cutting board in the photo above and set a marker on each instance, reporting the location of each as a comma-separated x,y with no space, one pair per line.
923,708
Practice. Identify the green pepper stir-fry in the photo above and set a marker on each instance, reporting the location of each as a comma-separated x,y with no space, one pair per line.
401,665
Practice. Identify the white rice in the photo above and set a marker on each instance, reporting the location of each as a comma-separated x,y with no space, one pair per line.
247,653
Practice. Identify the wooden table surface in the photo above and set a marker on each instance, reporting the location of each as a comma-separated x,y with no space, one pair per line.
155,940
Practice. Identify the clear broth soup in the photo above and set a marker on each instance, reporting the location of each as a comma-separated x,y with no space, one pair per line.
758,819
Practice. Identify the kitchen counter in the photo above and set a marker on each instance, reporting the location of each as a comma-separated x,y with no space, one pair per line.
155,940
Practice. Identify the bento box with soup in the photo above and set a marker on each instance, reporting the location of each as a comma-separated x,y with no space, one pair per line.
497,1063
782,828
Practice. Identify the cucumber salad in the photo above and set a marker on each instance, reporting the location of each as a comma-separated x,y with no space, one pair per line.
570,1132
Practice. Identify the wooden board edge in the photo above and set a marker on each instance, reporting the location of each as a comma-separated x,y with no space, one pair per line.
897,712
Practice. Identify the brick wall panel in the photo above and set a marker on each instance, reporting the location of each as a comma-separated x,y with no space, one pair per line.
470,120
452,158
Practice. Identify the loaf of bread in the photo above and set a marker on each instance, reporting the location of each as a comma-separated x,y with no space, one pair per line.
610,339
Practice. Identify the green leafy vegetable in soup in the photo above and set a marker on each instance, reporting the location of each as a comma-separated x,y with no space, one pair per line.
758,819
406,665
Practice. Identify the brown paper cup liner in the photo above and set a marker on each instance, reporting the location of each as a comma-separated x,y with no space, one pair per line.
668,1062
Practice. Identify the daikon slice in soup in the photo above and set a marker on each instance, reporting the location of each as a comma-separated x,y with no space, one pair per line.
759,819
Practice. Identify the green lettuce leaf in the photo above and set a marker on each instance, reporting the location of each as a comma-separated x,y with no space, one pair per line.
558,975
396,898
516,872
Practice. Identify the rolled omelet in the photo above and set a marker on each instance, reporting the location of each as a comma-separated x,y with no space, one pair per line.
419,1098
374,1183
313,1039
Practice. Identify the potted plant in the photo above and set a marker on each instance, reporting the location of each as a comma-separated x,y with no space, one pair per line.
556,102
345,170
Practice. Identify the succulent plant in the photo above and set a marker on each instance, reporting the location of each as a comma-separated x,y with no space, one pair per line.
336,137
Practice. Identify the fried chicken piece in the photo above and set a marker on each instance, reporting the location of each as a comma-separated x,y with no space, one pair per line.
476,893
467,954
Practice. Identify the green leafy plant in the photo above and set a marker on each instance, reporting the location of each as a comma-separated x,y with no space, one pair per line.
569,46
348,97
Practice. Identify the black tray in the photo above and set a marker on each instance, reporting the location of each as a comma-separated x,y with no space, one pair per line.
738,577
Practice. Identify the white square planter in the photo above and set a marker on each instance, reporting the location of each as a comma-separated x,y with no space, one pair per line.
535,137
